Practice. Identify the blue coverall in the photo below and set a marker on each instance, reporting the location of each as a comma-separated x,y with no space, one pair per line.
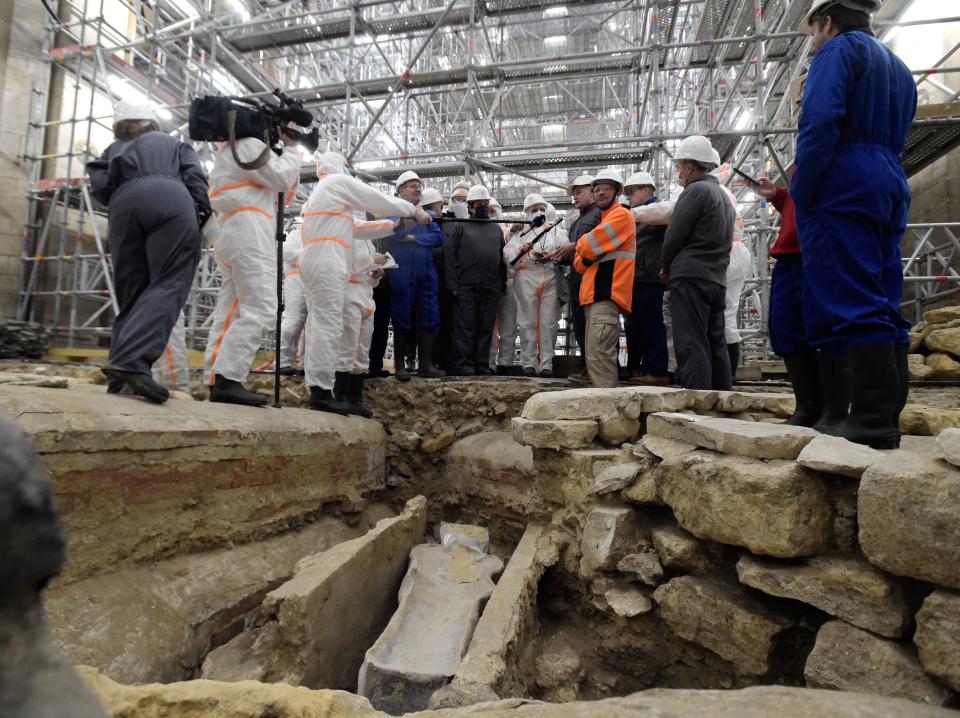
414,282
850,191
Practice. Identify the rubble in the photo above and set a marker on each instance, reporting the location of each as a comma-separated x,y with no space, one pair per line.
935,346
628,602
678,550
644,565
948,446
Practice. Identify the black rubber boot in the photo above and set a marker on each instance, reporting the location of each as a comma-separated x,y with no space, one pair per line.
529,371
341,386
140,384
227,391
356,397
427,370
875,395
288,371
834,391
804,373
400,356
322,400
903,384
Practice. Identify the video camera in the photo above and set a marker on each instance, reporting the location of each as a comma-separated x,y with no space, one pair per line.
227,119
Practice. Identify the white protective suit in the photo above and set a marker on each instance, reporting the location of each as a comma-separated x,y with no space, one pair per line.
246,204
503,346
328,231
171,368
294,306
741,261
358,308
535,289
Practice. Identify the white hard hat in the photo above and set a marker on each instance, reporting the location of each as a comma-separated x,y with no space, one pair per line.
407,176
462,184
532,199
579,181
640,179
867,6
477,192
129,110
430,196
608,176
698,149
494,202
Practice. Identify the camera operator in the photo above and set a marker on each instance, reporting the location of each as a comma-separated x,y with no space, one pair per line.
246,203
156,192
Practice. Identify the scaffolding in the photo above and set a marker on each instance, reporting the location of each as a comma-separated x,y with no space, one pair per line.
517,94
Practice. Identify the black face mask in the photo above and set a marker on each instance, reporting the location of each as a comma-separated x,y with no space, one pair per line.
481,212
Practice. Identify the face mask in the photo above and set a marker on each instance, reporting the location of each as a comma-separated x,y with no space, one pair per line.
481,212
538,213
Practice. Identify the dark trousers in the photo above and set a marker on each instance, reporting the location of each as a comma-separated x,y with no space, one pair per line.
155,248
381,326
444,354
475,317
576,315
733,351
697,306
646,334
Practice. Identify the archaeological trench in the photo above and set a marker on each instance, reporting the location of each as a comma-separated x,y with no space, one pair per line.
490,548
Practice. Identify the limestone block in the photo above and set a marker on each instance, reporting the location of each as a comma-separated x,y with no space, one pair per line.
615,477
917,367
441,597
644,565
721,616
948,446
846,658
628,602
608,535
916,341
439,442
679,550
907,510
650,399
573,404
945,340
918,420
938,636
643,491
666,448
942,315
734,402
616,431
845,587
776,508
731,436
554,433
834,455
943,366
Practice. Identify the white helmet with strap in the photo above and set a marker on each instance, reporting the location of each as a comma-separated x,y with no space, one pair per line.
640,179
866,6
580,181
477,192
532,199
698,149
430,196
407,176
608,176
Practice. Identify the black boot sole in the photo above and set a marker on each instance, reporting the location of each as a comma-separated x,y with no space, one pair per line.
141,386
238,401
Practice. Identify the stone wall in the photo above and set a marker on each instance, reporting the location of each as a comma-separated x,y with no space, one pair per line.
771,553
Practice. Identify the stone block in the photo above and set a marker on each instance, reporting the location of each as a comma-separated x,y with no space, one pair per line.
776,508
439,442
846,658
644,566
942,315
554,433
918,420
948,446
735,402
938,636
572,405
628,602
907,510
731,436
679,550
615,477
834,455
650,399
666,448
943,367
608,535
721,616
643,491
917,367
845,587
441,597
619,430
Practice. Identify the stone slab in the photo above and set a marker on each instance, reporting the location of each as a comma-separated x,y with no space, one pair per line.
846,587
615,477
440,597
721,616
666,448
920,420
679,550
846,658
776,403
628,602
948,446
135,481
605,404
554,433
834,455
775,508
732,436
938,636
608,535
907,509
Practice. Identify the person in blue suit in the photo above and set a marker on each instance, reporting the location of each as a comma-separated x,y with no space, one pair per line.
852,200
414,286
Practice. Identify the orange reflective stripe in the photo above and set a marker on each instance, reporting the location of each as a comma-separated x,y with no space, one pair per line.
295,273
315,240
324,213
225,263
351,280
255,210
170,367
216,346
230,187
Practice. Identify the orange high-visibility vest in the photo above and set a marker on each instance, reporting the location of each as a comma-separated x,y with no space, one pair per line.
606,257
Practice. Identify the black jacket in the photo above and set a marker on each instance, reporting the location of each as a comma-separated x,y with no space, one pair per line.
589,218
473,255
649,249
151,155
700,234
